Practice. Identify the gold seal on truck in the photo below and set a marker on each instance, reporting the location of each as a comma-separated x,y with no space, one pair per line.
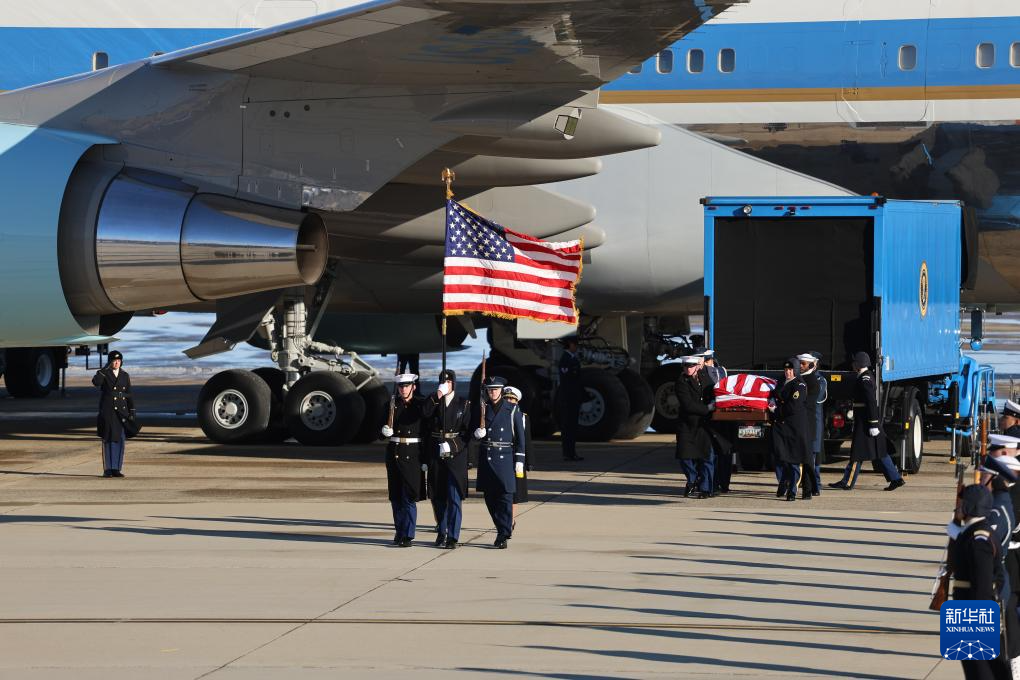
923,290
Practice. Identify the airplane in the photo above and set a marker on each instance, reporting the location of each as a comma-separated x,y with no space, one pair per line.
237,154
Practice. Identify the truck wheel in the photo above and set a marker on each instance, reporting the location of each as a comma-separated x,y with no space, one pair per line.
377,409
605,407
276,431
914,437
667,408
234,406
323,409
31,372
642,405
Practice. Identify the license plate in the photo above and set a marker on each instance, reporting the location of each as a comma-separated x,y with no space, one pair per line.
751,432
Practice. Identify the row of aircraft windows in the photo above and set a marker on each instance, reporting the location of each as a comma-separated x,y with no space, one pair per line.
726,59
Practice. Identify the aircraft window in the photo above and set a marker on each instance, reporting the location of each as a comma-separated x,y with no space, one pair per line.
986,55
727,60
100,60
636,69
695,61
665,61
908,57
1014,55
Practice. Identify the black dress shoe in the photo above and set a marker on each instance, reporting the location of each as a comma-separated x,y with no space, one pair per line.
780,490
500,544
806,496
397,538
791,496
116,473
895,484
816,492
838,485
451,544
703,494
108,473
687,490
405,542
441,540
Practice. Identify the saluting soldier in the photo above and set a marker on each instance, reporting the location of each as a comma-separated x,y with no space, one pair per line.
570,395
790,443
693,438
868,438
500,456
405,469
1009,422
116,405
449,427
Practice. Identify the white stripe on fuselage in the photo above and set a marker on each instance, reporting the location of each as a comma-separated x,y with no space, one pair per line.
786,11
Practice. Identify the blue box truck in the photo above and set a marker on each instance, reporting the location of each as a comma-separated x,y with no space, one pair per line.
840,275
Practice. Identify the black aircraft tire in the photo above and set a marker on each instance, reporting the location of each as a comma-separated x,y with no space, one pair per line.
642,405
276,432
662,382
234,407
323,409
31,372
608,406
377,409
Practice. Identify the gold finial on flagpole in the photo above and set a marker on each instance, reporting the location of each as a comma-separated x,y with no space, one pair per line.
448,177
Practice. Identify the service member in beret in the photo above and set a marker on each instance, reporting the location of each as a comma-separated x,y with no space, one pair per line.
405,466
116,411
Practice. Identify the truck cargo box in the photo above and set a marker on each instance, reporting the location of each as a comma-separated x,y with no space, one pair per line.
838,275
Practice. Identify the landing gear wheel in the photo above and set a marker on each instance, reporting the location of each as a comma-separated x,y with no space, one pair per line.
642,405
276,432
604,406
914,437
32,372
377,408
234,407
527,382
667,408
323,409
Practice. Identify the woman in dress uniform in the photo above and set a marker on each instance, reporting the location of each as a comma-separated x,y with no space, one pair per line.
405,470
115,406
790,443
514,396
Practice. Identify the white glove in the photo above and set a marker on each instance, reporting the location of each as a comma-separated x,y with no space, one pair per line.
443,390
772,405
850,414
519,469
387,431
480,433
444,447
424,467
873,432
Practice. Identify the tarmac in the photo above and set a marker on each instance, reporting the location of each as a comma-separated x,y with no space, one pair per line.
275,562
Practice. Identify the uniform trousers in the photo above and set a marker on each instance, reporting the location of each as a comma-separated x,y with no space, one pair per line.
723,470
113,455
405,513
700,472
450,514
818,471
501,509
570,410
884,464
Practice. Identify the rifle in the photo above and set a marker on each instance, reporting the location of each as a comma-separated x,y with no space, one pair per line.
481,397
393,397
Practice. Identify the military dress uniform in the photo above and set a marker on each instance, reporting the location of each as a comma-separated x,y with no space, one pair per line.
405,479
449,425
571,395
864,446
116,404
814,384
501,446
693,437
722,449
790,440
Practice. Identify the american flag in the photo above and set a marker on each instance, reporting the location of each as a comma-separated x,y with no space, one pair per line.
744,391
496,271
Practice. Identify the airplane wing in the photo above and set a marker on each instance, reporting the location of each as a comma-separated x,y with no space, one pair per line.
435,42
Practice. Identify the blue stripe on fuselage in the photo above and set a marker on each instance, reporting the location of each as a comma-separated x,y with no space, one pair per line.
35,55
838,54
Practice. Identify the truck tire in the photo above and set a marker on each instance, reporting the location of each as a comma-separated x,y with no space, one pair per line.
662,382
234,407
31,372
377,409
607,405
276,431
323,409
914,437
642,405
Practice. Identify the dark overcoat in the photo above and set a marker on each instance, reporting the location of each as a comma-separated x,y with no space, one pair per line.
403,461
448,423
790,443
521,494
116,403
693,439
502,446
813,382
866,416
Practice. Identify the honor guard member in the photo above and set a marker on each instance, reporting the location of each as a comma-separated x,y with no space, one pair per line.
1009,422
819,443
513,395
693,439
570,396
116,405
405,470
712,373
997,477
815,387
715,370
790,435
971,559
868,441
500,455
449,427
1012,564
